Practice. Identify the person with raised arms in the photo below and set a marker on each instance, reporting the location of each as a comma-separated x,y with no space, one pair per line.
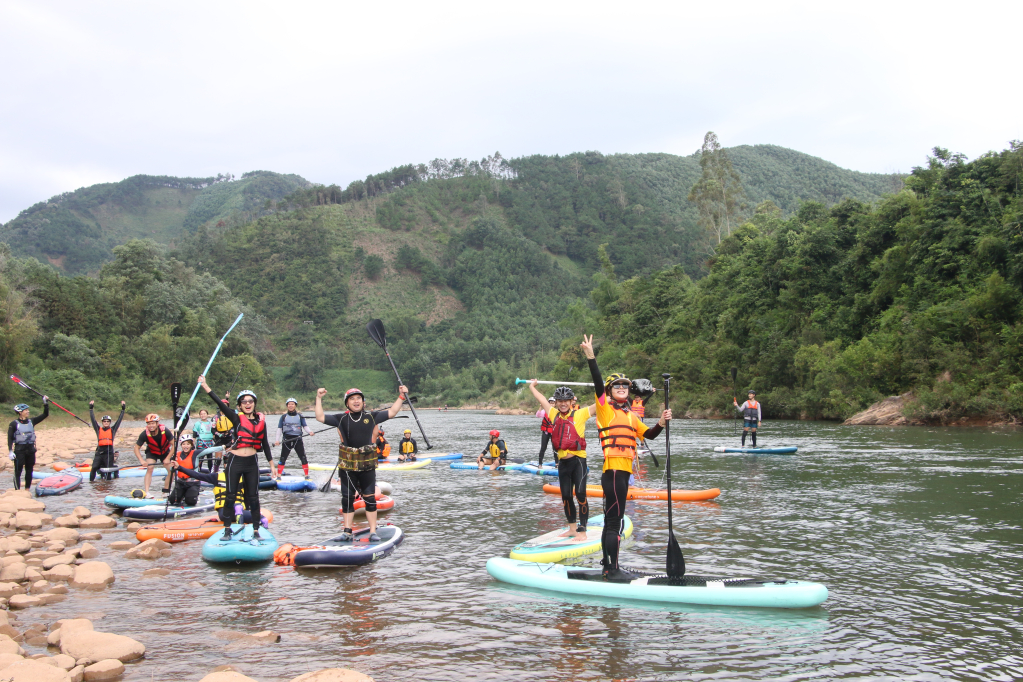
21,441
103,458
241,467
618,429
568,436
357,452
159,442
751,416
289,431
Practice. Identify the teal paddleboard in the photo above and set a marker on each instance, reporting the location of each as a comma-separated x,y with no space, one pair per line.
241,548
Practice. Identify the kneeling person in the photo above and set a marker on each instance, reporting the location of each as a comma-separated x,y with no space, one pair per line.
186,490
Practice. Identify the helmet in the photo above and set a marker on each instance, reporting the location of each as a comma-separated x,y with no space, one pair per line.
242,394
495,433
20,407
564,393
353,391
551,399
138,494
751,391
291,400
152,417
616,378
187,435
408,430
106,418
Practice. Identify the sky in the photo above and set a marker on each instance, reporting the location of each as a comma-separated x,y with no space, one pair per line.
333,91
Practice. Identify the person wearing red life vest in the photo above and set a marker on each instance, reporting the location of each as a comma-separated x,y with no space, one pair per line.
751,416
158,441
105,434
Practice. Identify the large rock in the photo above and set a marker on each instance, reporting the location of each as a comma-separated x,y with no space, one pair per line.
67,625
92,575
9,646
92,646
88,551
63,661
13,572
226,676
107,669
69,521
8,590
887,412
14,504
62,572
81,512
333,675
18,544
69,536
23,601
61,559
99,521
34,671
26,520
8,659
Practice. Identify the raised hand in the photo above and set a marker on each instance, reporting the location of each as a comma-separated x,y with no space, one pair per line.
320,392
587,346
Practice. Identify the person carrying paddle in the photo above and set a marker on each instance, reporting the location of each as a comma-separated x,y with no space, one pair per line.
104,455
751,416
290,429
495,453
618,429
241,467
407,447
546,426
357,452
186,490
159,442
568,435
21,441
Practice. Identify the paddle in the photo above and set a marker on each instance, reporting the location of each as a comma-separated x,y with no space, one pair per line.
21,383
735,414
325,488
376,332
555,383
208,365
676,563
175,391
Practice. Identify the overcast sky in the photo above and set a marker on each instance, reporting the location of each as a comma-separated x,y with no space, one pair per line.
99,91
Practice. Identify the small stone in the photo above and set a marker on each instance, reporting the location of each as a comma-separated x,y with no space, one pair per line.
77,674
23,601
68,521
41,554
57,589
33,574
8,590
18,544
107,669
13,559
333,675
8,630
66,559
88,551
92,536
69,536
155,572
37,640
26,520
81,512
13,573
121,544
57,547
45,518
267,636
39,586
62,572
227,676
92,575
133,527
63,661
9,646
97,646
99,521
51,598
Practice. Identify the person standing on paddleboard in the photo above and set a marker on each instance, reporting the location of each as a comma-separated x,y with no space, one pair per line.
159,442
21,441
289,428
751,416
568,435
104,456
241,468
618,429
357,452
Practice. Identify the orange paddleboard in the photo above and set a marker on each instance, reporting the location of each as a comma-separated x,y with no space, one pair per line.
187,529
647,493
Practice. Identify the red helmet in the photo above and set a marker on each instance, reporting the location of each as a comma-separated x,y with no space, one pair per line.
353,391
495,433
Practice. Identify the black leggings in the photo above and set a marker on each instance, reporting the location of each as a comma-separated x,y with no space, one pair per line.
616,489
185,491
292,443
242,472
102,458
362,482
24,458
572,473
545,438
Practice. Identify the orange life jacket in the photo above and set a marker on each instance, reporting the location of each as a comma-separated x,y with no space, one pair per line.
618,439
106,436
159,444
251,432
638,408
187,461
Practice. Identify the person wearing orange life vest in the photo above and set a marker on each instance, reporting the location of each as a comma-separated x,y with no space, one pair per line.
104,456
159,441
618,429
751,416
186,489
383,447
242,469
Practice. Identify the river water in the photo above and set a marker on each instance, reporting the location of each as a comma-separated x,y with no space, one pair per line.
915,531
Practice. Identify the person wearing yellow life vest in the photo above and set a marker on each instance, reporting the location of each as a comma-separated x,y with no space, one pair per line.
407,447
751,416
186,489
618,429
105,434
495,453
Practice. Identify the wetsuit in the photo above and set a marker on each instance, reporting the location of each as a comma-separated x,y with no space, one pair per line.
546,426
356,431
751,416
289,433
618,429
104,456
219,493
242,471
570,449
21,437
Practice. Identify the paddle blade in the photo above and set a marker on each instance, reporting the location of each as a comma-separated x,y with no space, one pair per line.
376,332
175,393
676,562
325,488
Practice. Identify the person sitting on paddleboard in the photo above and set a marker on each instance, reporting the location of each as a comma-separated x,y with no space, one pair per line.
186,490
546,426
290,429
751,416
357,452
21,441
242,468
383,447
495,453
618,429
568,435
104,455
159,442
407,448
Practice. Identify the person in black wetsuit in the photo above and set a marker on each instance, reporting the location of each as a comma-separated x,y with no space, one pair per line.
104,456
357,452
242,469
219,481
21,441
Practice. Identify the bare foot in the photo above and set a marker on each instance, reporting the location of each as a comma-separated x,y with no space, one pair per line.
568,533
580,536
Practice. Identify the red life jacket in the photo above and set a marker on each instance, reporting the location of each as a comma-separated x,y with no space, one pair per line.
564,436
251,432
546,426
187,461
106,436
159,444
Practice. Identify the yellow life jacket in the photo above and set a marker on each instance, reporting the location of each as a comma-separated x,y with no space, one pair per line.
406,447
220,492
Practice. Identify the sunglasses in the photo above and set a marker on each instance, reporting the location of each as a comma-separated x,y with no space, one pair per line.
247,402
621,384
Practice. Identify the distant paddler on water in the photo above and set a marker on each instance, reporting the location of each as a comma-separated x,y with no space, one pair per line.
751,416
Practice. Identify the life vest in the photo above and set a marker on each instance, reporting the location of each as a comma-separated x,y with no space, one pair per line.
749,410
187,461
223,424
497,450
25,433
160,444
546,426
106,436
407,447
638,408
203,431
618,439
383,449
565,436
251,432
220,492
292,425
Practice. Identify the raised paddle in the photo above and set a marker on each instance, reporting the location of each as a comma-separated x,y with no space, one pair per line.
175,390
208,365
21,383
376,332
555,383
735,371
676,565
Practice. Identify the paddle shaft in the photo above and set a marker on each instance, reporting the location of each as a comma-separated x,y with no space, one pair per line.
554,383
675,562
21,383
735,414
209,364
408,402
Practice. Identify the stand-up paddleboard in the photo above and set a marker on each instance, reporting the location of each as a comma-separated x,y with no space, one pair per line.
404,466
473,466
157,512
384,503
190,529
81,466
241,548
785,594
646,493
59,484
355,552
534,469
433,455
268,484
298,484
758,451
554,546
118,502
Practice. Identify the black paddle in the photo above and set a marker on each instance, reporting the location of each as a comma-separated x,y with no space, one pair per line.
676,567
376,332
175,396
735,371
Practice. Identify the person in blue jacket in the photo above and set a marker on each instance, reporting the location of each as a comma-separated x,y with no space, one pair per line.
289,431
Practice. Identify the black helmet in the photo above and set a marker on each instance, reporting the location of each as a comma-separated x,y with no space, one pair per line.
751,391
564,393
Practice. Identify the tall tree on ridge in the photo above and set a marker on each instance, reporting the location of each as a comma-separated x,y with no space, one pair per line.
718,194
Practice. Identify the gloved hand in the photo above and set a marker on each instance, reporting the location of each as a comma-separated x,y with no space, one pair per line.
12,455
263,522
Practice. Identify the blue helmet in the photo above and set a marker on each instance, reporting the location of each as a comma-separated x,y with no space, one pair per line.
20,407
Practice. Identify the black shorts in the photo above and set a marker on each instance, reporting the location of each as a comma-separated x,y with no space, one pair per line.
156,458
